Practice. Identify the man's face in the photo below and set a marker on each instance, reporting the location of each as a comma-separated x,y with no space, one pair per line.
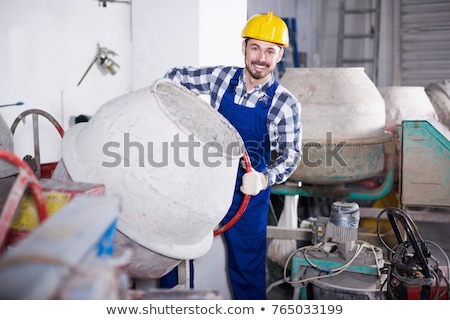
261,57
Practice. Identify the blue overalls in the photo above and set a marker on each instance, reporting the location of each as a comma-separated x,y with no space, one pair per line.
246,239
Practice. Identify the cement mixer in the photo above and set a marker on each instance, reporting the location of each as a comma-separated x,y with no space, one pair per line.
439,94
155,148
344,137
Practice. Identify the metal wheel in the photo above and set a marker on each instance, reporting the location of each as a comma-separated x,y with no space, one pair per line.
35,163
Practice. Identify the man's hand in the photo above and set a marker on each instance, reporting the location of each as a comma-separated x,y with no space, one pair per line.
253,182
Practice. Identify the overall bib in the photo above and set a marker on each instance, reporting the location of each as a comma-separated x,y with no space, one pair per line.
246,239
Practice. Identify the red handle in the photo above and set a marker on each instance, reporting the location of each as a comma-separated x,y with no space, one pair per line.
243,206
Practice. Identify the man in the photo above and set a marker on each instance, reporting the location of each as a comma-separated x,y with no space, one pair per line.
267,116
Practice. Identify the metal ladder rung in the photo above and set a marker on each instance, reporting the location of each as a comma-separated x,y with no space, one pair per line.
357,61
373,35
359,11
357,36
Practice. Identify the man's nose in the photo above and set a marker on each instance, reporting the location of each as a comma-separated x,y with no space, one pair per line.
262,56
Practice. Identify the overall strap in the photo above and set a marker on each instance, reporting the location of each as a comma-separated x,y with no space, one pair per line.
269,94
235,80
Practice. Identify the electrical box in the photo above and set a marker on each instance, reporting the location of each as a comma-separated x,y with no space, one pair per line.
425,164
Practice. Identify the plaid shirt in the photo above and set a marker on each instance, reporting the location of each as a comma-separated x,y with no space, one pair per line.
283,122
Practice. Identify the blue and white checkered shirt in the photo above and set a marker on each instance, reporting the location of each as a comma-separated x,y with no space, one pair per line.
283,122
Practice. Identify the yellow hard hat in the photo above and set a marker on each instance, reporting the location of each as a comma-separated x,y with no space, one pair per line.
267,27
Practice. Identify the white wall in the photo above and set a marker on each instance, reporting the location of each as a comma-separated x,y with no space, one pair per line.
165,33
220,28
46,47
184,32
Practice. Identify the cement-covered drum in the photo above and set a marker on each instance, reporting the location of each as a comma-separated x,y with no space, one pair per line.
170,156
343,121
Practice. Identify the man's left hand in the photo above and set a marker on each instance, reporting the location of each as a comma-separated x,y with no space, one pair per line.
253,182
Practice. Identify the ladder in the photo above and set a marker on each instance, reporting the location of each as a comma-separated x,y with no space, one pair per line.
373,12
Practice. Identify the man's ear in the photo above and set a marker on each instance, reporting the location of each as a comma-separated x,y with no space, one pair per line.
280,55
244,46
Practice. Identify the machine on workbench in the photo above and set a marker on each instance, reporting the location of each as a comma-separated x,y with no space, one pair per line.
339,266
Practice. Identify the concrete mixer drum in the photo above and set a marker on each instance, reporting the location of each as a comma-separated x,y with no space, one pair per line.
156,148
343,119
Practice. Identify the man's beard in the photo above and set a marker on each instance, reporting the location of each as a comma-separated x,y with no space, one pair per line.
258,75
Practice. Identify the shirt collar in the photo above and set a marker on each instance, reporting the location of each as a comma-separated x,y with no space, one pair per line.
261,87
